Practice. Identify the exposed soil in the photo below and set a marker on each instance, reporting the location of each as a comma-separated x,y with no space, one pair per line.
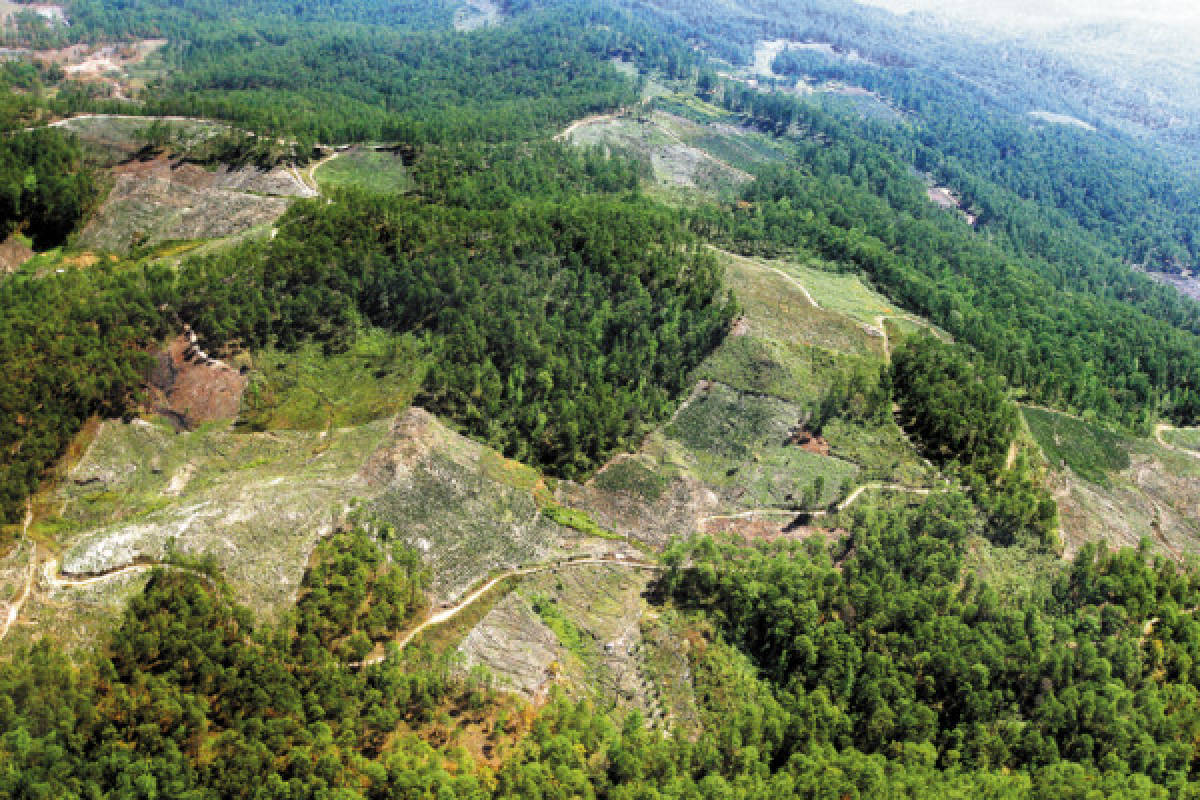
763,527
189,388
807,440
13,253
102,63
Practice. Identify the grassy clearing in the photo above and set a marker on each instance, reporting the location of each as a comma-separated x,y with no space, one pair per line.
842,292
1187,438
737,444
883,451
1090,450
376,171
1016,573
681,171
310,390
792,372
778,309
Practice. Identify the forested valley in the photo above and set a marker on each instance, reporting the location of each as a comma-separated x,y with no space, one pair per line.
566,311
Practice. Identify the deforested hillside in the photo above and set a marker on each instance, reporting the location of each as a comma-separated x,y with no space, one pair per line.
600,400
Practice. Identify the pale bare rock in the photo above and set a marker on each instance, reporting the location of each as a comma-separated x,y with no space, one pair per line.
179,481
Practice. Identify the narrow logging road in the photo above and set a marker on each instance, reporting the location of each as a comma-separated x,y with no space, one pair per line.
446,614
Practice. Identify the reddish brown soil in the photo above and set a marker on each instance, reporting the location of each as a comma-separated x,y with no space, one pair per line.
807,440
192,390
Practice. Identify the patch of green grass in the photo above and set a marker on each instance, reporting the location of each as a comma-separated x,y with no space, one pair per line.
310,390
372,170
633,477
1187,438
509,472
577,520
1090,450
843,292
777,308
572,637
882,450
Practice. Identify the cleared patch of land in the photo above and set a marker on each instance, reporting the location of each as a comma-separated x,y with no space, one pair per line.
515,646
379,171
780,307
1186,284
1117,489
1090,450
14,251
306,389
740,445
191,388
114,138
256,503
73,617
1061,119
157,201
478,14
660,139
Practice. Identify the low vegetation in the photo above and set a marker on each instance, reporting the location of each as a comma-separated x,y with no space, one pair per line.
376,376
1091,450
377,171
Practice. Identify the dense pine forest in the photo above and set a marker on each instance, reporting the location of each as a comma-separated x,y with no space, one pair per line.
562,306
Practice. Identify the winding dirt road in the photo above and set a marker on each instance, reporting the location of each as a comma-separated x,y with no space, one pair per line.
841,506
566,132
308,176
53,578
446,614
1158,437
